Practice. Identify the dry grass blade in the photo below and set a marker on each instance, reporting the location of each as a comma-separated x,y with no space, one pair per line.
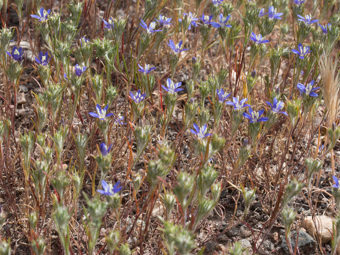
331,83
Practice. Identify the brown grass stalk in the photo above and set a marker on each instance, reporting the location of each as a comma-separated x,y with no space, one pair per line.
330,86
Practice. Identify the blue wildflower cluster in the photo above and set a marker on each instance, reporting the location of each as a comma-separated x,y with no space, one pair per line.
131,122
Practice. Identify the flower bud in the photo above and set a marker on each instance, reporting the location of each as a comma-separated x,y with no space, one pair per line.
61,219
32,219
313,165
216,190
185,184
5,39
205,179
142,135
293,109
60,182
288,217
27,142
334,135
237,249
112,240
293,188
190,112
38,246
169,201
124,249
204,208
177,238
5,248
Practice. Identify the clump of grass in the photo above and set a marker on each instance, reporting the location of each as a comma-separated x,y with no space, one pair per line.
331,84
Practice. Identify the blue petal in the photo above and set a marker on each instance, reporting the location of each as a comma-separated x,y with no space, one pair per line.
132,95
247,115
196,127
103,149
93,114
165,88
116,188
295,51
193,131
301,87
101,191
35,16
105,185
336,180
99,109
262,119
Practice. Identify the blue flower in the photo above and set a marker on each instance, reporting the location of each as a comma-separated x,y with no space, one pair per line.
17,53
151,29
191,18
120,120
201,132
172,87
177,48
83,41
336,180
272,14
238,105
308,90
206,19
164,21
301,51
147,68
308,20
42,15
262,13
258,39
79,69
254,116
43,59
138,96
222,96
217,2
221,21
299,2
277,106
108,190
109,24
104,149
325,28
101,113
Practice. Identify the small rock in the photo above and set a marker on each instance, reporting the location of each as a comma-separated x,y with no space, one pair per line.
210,247
234,231
239,213
245,243
158,209
306,243
268,246
21,112
23,88
245,232
222,238
276,237
321,226
21,99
